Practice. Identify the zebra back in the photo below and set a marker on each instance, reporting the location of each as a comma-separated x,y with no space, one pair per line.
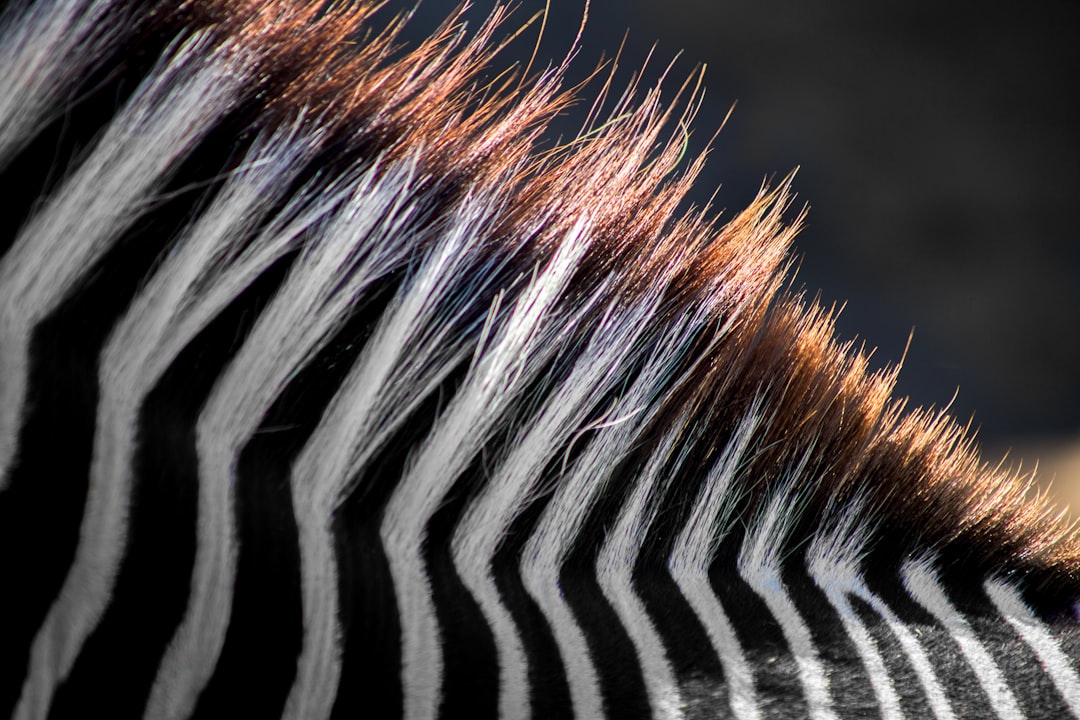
331,386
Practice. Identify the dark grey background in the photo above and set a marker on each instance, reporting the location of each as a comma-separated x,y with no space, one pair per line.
937,146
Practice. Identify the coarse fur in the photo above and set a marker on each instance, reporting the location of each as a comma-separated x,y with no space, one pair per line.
329,385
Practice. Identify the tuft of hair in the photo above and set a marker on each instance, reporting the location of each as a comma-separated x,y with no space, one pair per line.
284,300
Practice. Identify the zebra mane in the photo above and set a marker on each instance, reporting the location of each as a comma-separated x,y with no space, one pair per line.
263,244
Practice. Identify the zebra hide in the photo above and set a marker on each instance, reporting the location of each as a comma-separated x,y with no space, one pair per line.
332,386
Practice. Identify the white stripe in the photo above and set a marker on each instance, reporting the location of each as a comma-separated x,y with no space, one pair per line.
833,561
412,349
921,582
491,386
47,49
188,290
173,108
615,569
693,555
143,344
340,259
561,521
1062,672
885,694
478,536
759,564
916,654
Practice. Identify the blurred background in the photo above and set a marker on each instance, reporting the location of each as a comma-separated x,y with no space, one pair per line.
938,152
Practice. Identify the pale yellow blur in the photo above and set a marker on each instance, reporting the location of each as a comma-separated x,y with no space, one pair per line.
1059,467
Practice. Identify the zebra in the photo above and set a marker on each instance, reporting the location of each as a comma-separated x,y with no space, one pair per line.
330,387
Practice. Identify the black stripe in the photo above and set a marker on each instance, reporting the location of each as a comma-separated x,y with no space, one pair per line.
1062,622
849,682
43,505
618,668
776,677
548,684
370,684
63,386
951,668
257,666
703,687
117,667
259,659
1035,692
470,673
902,676
698,671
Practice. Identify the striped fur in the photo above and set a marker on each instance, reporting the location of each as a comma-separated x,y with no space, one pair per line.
330,386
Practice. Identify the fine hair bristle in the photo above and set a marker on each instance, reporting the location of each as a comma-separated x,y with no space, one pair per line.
263,254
